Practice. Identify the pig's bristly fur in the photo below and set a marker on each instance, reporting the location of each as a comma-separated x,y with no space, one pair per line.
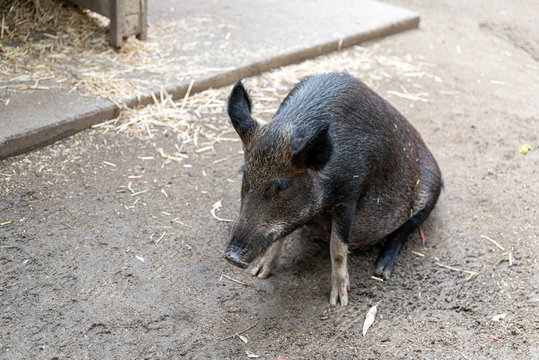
334,153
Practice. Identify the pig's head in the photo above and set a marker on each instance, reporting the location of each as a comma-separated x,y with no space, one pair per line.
282,179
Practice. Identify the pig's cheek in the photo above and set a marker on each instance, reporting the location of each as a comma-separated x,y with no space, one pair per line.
268,261
275,230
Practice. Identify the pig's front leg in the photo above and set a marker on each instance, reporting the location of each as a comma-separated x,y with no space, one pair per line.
268,261
341,231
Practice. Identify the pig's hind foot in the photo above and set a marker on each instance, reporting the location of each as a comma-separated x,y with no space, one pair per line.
394,244
396,239
268,261
389,257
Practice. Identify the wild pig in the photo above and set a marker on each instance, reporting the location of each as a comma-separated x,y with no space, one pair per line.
336,156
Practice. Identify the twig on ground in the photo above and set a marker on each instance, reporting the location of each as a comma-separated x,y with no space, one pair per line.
472,273
241,332
232,279
187,94
160,238
494,242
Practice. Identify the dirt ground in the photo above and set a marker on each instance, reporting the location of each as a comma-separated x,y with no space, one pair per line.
109,251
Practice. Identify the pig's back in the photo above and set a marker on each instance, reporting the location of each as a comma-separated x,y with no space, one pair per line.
378,157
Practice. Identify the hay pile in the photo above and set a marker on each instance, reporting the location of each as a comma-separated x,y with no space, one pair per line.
46,44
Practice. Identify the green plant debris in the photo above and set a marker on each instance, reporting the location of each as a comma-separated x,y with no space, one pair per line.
525,148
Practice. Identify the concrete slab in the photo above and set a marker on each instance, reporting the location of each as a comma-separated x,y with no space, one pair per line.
247,38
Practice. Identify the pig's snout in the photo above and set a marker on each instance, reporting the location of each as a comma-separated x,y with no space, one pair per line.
237,256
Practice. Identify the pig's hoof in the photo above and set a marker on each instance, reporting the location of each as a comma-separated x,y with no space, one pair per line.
262,269
385,266
268,261
389,257
340,285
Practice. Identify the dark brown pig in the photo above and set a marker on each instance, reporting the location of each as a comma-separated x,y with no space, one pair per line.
336,156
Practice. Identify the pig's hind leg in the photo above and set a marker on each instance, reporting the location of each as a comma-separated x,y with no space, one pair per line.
431,184
393,246
395,241
268,261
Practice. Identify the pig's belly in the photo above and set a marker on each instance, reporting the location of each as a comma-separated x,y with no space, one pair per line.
367,235
374,221
378,217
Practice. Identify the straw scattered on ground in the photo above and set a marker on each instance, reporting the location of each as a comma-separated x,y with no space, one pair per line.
203,115
47,44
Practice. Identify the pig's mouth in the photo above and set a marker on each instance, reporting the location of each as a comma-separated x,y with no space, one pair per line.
237,256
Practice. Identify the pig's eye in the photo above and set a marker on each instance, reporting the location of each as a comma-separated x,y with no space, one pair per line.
277,187
282,185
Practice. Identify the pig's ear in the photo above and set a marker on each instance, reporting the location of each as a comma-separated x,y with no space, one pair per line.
239,110
312,151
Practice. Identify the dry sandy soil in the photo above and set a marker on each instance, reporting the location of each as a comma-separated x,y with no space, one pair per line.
91,267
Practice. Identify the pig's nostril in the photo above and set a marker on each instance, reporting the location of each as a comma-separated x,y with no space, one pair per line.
233,256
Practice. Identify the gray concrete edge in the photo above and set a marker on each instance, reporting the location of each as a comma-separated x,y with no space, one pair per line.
38,137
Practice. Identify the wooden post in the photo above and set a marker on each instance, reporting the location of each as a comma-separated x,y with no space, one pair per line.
127,17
